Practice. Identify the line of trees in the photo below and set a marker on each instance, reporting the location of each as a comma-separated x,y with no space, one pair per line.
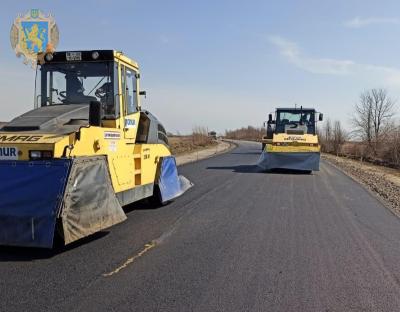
245,133
374,135
332,137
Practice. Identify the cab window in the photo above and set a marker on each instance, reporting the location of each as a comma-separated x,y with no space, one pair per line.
130,87
79,83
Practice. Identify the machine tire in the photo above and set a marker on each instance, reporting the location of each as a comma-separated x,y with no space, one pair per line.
156,198
270,133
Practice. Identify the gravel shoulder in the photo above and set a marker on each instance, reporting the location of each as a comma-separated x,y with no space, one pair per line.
382,181
220,147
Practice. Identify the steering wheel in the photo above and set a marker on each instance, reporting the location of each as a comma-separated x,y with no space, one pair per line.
62,96
100,92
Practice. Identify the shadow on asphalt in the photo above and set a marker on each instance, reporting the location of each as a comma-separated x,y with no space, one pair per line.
10,253
144,204
256,169
246,153
288,171
240,168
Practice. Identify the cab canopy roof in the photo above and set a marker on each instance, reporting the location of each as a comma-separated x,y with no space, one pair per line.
87,56
295,109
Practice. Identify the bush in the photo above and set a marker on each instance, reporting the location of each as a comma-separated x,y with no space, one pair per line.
200,136
250,133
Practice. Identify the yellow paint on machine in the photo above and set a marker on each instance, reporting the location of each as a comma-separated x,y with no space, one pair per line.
131,164
288,143
291,149
292,138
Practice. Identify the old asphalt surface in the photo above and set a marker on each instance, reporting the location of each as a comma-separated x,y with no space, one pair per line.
239,240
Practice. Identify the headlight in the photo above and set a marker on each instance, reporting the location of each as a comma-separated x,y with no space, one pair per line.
40,155
95,55
48,57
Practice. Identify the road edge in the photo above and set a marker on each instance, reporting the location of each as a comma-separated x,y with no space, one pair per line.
180,159
375,195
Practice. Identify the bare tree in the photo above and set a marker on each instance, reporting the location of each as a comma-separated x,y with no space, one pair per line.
362,121
332,137
393,147
373,116
338,137
326,137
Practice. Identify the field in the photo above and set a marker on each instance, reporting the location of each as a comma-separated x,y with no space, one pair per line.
189,143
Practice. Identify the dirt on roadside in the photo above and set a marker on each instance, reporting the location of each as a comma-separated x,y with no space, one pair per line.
383,181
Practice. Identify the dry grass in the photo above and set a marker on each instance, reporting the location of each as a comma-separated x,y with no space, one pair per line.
250,133
387,155
189,143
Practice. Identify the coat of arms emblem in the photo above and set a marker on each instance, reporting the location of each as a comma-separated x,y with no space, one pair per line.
32,33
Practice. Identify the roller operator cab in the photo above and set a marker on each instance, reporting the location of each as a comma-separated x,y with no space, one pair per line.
84,151
291,141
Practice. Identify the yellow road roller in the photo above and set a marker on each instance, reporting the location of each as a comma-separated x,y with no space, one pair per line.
291,141
87,149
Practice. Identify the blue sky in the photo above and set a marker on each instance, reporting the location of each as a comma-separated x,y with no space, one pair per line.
226,64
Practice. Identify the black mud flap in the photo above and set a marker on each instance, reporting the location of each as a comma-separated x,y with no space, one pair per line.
89,204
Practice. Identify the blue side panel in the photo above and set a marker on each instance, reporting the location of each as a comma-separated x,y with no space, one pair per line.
30,196
170,183
168,179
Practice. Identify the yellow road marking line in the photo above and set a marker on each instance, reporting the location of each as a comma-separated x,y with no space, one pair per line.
146,248
165,235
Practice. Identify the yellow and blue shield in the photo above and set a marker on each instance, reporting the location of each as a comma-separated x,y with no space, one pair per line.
35,35
32,33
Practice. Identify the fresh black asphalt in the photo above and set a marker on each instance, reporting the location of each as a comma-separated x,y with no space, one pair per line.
239,240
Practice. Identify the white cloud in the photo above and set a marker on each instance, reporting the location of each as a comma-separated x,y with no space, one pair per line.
358,22
291,51
381,75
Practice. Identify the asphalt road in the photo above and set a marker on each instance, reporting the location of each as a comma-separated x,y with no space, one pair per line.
240,240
